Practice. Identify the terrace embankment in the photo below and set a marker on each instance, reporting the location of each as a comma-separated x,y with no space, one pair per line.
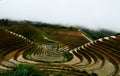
63,51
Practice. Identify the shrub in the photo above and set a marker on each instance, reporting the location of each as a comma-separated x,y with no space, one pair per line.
24,70
68,55
93,74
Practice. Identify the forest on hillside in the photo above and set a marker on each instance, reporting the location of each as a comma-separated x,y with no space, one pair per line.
93,34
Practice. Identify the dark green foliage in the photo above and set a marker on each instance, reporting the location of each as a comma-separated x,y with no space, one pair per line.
46,25
59,74
1,27
29,35
68,56
9,22
117,34
31,70
24,70
93,74
4,22
96,34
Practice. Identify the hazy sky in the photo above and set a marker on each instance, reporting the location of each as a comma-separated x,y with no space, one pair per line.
90,13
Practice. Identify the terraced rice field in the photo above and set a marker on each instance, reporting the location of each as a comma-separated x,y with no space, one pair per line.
101,56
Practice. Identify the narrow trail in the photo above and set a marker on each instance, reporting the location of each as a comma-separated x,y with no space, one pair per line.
84,35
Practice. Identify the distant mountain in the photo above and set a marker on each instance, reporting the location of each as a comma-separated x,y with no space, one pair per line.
96,34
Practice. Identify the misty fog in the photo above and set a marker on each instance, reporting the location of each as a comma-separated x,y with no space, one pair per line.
89,13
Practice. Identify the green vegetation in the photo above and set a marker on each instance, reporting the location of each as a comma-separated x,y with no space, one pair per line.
72,38
93,74
4,22
32,70
55,60
68,55
1,27
117,34
36,31
9,22
24,70
96,34
60,74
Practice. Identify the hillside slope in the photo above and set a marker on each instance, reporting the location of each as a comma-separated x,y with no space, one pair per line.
59,50
16,49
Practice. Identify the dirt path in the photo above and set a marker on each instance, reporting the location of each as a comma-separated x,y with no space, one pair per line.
86,37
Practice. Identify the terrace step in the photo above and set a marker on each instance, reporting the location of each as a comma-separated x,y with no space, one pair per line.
10,44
